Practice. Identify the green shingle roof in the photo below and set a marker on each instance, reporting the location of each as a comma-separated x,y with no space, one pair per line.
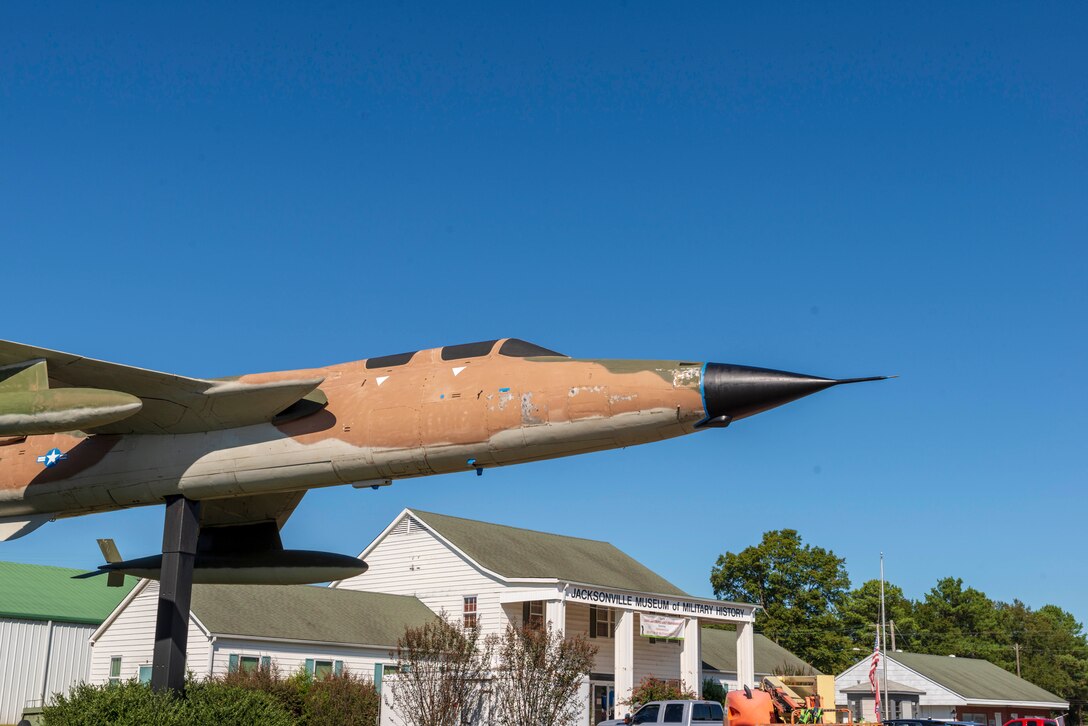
720,654
974,679
305,612
526,553
40,592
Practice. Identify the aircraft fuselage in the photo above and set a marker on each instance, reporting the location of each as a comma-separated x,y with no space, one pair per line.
427,416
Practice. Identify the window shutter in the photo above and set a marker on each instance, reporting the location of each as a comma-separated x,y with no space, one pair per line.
525,614
379,670
266,661
592,621
310,666
338,667
232,663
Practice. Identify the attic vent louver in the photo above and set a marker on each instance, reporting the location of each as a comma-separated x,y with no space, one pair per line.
408,525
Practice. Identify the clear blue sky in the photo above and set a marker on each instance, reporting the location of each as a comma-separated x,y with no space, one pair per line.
832,188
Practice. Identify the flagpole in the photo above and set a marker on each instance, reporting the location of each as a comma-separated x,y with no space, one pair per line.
883,642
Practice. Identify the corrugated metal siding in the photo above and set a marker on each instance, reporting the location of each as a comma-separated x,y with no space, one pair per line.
22,651
69,657
23,645
132,636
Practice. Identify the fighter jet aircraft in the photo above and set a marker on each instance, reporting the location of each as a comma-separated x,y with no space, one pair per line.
79,435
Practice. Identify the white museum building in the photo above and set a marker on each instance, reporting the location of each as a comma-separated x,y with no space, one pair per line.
483,575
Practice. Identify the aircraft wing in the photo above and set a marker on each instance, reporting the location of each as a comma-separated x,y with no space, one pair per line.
249,510
171,404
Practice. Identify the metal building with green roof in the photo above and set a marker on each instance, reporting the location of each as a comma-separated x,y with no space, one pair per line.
46,619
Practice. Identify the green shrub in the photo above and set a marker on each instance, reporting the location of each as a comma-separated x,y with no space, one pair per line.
134,704
343,700
257,696
210,703
124,704
714,691
289,692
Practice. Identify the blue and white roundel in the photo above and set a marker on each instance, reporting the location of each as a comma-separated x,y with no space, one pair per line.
51,458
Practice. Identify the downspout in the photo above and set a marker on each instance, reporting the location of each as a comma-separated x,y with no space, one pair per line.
211,656
45,667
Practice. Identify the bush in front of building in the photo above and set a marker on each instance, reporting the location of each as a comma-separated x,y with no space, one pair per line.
442,673
134,704
342,699
539,676
289,692
714,691
658,689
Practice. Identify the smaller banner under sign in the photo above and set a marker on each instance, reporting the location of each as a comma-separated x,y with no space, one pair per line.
660,626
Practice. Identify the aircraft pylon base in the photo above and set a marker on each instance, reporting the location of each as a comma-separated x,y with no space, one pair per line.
179,538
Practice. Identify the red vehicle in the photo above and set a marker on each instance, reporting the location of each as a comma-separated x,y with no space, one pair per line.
1032,721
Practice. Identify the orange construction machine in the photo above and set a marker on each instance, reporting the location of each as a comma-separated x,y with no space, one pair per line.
786,700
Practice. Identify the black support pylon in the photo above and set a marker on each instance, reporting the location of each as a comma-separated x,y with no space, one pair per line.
179,538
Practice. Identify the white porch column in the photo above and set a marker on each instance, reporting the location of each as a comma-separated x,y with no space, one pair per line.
625,658
555,612
746,655
691,657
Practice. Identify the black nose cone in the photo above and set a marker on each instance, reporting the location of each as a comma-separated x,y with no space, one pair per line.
731,392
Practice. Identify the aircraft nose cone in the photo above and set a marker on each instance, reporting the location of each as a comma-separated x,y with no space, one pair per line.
731,392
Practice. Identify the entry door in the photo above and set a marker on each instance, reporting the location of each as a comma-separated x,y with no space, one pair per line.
604,703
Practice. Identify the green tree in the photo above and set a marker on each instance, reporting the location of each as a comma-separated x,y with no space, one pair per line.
799,587
860,614
1053,650
960,621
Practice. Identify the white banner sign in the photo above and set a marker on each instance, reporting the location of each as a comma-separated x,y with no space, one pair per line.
660,626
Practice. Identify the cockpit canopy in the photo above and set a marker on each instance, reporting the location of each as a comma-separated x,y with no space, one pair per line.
511,347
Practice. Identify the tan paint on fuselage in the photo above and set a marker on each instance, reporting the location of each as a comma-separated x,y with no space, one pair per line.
428,416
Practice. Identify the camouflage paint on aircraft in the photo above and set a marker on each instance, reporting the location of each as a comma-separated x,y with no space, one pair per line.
251,446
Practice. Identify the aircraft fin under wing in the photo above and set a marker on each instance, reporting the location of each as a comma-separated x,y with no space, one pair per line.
171,404
15,527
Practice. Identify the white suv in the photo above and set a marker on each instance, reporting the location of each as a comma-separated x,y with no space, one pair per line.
685,713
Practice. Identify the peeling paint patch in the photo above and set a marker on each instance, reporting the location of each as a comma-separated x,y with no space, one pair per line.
574,391
685,377
530,414
622,397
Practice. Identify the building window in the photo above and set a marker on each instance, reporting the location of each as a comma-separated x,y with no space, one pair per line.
247,663
321,669
115,669
532,614
602,622
145,674
470,611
